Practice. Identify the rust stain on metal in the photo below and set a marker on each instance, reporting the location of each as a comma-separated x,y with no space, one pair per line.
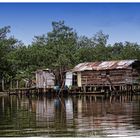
105,65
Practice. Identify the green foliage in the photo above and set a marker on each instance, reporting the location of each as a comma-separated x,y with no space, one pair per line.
7,45
60,49
62,42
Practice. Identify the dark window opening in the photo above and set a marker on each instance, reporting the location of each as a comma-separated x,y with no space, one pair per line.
74,81
107,73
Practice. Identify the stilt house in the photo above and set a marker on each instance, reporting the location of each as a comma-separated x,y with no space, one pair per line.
107,74
45,79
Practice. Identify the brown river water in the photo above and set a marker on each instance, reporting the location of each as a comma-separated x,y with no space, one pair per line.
73,116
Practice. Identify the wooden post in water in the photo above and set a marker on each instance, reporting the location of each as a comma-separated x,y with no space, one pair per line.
17,85
11,85
120,88
110,98
2,82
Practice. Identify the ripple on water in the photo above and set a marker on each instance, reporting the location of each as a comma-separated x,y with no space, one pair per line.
82,118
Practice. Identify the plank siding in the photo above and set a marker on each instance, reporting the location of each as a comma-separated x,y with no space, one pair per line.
44,79
117,77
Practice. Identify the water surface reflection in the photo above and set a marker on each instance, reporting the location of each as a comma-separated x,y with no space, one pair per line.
70,117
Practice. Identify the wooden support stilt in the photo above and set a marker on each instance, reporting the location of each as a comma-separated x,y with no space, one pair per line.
11,85
3,88
17,84
110,98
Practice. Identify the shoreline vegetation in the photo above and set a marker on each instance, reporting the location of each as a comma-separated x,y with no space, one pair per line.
59,50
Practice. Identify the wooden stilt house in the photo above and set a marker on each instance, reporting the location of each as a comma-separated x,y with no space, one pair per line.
45,78
107,74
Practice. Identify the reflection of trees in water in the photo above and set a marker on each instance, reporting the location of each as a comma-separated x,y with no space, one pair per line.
15,117
6,109
74,116
60,113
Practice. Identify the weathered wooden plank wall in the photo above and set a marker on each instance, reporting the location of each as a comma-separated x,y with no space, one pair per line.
117,77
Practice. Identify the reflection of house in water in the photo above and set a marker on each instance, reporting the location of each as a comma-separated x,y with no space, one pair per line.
109,118
79,106
85,115
82,116
69,109
50,112
44,111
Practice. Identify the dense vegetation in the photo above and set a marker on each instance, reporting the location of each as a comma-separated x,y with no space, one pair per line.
59,50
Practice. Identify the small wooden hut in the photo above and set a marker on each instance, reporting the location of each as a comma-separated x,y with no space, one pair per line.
45,79
108,74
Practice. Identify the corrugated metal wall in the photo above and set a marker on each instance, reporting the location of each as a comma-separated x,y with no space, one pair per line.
45,79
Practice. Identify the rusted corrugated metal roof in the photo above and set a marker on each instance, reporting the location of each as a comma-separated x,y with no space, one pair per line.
120,64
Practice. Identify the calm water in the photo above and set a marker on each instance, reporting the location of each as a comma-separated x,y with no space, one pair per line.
69,117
